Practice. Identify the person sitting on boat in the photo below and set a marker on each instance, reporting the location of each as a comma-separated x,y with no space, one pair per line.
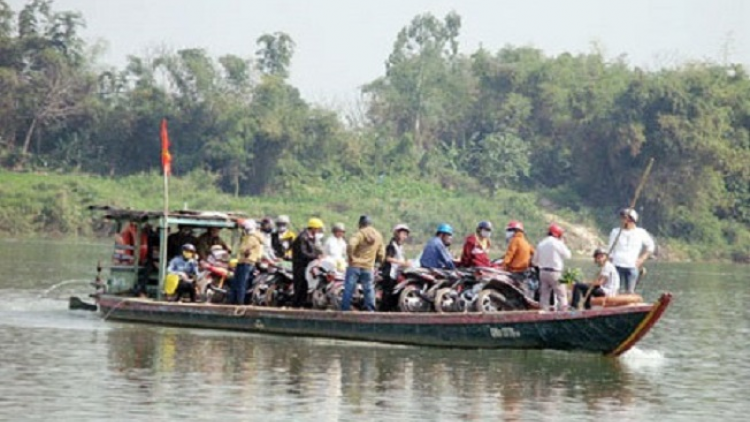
305,250
550,255
477,246
518,255
395,258
634,245
210,238
186,268
175,240
282,238
364,249
435,253
335,246
607,282
250,251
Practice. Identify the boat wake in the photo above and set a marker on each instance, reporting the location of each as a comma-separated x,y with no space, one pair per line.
644,360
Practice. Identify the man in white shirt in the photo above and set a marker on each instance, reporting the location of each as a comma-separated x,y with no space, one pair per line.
634,245
335,247
549,257
606,284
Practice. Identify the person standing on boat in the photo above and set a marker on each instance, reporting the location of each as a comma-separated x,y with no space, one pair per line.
550,255
251,248
335,246
518,255
634,245
208,239
282,238
477,246
186,268
395,258
435,253
305,250
364,249
607,283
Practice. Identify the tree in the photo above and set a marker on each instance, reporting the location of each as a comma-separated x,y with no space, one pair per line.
275,54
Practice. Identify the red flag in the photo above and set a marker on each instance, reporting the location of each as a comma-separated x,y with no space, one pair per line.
166,158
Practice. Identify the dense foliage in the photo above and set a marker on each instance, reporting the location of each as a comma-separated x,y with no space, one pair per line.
578,128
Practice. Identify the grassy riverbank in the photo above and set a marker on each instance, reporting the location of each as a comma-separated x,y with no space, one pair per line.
55,205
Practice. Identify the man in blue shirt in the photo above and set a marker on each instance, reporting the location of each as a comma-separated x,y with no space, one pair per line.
435,253
186,267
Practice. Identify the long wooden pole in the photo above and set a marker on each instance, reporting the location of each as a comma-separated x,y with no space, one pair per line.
633,201
163,238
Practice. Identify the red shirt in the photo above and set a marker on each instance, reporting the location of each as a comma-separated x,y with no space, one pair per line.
475,253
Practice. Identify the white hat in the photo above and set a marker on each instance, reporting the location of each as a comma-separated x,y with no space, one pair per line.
401,226
249,225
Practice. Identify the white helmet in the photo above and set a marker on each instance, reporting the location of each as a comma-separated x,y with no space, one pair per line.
249,225
283,219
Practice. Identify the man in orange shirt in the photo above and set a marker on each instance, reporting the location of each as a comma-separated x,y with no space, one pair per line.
518,255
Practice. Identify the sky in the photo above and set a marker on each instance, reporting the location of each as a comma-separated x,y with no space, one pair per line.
343,44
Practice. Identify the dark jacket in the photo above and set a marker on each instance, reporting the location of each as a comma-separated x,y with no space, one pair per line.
304,249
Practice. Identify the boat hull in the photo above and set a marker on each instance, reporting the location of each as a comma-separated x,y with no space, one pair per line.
610,331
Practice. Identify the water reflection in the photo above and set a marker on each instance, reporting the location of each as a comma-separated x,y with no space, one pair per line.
331,379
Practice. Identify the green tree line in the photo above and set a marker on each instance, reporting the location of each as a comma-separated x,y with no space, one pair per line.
577,128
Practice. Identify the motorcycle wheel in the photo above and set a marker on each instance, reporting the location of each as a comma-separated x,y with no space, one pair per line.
319,299
337,296
444,302
489,301
271,296
258,297
410,301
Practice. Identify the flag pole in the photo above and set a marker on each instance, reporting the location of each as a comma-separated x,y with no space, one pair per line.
166,164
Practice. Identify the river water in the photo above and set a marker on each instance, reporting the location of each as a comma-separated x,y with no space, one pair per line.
72,365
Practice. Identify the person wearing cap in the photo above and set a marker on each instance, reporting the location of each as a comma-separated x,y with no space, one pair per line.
550,255
518,255
607,282
335,246
395,258
250,251
282,238
435,253
634,245
186,267
363,250
477,247
304,251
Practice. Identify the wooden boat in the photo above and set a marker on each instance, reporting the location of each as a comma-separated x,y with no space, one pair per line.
607,330
610,331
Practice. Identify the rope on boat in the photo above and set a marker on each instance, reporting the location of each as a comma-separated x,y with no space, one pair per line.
112,309
240,311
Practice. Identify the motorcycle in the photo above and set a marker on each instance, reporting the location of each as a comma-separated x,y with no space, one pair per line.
280,287
461,295
265,275
417,287
326,285
502,292
212,282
